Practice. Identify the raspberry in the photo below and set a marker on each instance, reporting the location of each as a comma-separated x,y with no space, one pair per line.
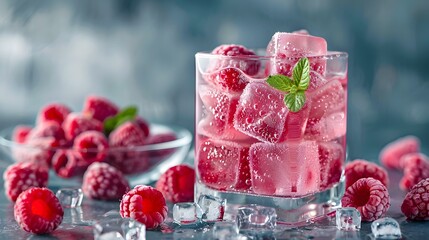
99,108
369,196
161,138
228,79
92,146
126,135
177,184
22,176
75,124
38,210
416,203
143,124
20,133
416,168
144,204
359,168
104,182
48,129
245,62
56,112
67,164
391,154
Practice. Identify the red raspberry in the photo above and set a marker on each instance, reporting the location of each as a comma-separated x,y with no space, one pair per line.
48,129
22,176
245,62
56,112
67,163
127,134
359,168
20,133
416,203
76,124
161,138
144,204
369,196
92,146
228,79
143,124
391,154
416,168
177,184
99,108
38,210
104,182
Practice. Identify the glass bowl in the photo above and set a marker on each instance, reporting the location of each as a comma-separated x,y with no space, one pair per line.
140,164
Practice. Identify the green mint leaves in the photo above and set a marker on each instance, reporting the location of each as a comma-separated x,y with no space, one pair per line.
126,114
294,88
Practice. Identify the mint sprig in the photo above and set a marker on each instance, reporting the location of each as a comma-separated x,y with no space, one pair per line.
294,88
126,114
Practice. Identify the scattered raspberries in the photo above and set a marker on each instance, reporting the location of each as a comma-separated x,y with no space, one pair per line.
104,182
369,196
177,184
416,168
144,204
416,203
391,154
358,169
38,210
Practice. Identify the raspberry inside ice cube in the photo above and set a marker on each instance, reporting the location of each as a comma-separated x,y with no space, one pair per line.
329,127
286,169
261,112
331,159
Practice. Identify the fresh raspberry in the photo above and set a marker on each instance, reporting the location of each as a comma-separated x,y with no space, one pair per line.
416,168
369,196
56,112
127,134
391,154
104,182
48,129
99,108
416,203
228,79
360,168
20,133
22,176
92,146
38,150
245,62
161,138
144,204
177,184
67,163
143,124
76,124
38,210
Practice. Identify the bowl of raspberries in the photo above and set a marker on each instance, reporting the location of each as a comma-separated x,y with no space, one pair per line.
67,142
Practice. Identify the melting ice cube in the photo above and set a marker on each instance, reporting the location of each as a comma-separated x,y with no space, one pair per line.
213,208
225,230
348,219
386,228
255,217
187,213
70,197
119,228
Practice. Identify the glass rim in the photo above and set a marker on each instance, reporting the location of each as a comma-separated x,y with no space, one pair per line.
328,55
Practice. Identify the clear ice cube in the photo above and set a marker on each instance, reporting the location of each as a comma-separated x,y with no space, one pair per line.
225,230
213,208
348,219
127,229
386,228
133,230
70,197
256,217
110,236
187,213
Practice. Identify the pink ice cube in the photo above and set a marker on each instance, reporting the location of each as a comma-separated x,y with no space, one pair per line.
328,128
223,165
296,123
331,159
285,169
261,112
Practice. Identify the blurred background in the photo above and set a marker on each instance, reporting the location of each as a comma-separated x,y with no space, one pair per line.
142,53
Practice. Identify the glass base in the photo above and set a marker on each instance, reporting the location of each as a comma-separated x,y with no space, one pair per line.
294,212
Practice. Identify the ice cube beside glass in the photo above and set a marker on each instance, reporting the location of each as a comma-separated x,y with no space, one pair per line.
348,219
213,208
386,228
225,230
119,228
187,213
256,218
70,197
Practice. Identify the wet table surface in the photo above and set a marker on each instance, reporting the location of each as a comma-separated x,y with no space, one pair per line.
77,223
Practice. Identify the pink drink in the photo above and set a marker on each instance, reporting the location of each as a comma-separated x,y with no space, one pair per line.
248,142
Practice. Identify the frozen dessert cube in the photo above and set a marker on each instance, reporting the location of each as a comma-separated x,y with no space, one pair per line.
331,159
213,208
254,217
70,197
289,168
223,164
348,219
386,228
261,112
187,213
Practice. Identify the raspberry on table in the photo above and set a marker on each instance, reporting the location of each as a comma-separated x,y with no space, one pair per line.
369,196
246,64
144,204
416,203
391,154
20,133
360,168
56,112
22,176
67,163
99,108
177,184
38,210
416,168
104,182
92,146
75,124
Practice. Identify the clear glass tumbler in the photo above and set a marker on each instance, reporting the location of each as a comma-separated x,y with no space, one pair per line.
250,148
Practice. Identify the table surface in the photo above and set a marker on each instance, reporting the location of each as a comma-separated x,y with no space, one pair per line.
77,223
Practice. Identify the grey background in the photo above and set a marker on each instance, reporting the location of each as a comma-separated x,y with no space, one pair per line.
142,52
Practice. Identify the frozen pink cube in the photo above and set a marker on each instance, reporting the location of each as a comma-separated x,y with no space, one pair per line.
261,112
330,127
285,169
331,159
223,165
394,151
296,123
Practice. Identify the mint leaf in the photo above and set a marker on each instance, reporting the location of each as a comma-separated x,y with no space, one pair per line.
301,74
126,114
280,82
295,101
